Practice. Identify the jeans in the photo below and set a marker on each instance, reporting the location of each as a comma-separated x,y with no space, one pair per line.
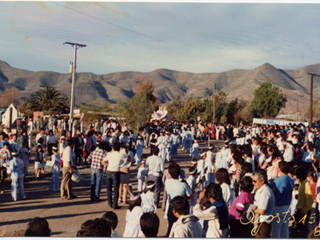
113,178
55,182
280,228
158,182
96,175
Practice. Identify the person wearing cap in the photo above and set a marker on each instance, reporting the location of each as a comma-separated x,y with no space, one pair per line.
167,144
55,169
225,155
201,168
208,164
16,168
139,150
147,198
160,144
195,150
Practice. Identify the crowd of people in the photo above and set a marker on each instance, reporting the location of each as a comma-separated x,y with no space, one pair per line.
264,181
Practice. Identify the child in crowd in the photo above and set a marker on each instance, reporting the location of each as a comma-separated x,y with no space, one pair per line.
147,198
112,218
222,176
149,223
39,161
195,150
55,169
134,213
191,181
141,176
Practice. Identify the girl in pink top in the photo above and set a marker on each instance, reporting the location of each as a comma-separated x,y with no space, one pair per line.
237,208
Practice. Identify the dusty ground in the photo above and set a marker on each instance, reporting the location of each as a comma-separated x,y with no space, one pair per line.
65,217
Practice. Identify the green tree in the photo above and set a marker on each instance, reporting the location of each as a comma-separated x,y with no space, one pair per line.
192,108
267,101
175,107
137,110
48,99
93,112
231,109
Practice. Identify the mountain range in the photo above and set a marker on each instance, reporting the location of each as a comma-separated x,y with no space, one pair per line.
113,87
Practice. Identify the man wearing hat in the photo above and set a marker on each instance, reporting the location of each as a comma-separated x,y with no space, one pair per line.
16,168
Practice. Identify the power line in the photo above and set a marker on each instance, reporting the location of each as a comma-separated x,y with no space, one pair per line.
145,35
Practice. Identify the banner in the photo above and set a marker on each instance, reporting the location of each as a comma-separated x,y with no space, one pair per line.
278,122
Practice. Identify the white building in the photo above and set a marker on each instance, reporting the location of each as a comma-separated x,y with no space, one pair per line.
6,115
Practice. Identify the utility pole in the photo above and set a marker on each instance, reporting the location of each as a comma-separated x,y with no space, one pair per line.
214,103
74,66
311,97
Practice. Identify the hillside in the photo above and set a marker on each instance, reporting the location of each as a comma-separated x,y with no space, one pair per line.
168,84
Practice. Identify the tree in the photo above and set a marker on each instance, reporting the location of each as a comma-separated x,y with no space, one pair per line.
267,101
192,108
231,109
48,99
137,110
174,108
93,112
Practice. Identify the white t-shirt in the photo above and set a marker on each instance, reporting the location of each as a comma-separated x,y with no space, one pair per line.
114,160
67,156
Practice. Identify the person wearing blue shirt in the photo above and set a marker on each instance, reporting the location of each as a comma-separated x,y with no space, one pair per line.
282,188
174,188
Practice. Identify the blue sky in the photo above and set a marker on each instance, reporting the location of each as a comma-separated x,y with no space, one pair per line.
142,36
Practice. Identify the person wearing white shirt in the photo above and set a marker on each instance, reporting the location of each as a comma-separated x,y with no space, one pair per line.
113,162
52,140
156,167
67,171
265,201
288,152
